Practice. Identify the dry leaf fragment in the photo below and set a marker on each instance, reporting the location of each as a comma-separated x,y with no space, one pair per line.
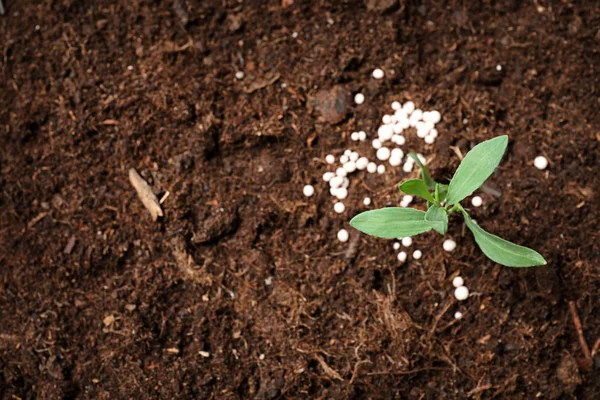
145,194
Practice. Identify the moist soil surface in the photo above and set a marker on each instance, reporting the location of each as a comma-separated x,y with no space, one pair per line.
241,290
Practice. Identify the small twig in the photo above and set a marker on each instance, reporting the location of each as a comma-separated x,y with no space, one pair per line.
596,348
579,329
145,194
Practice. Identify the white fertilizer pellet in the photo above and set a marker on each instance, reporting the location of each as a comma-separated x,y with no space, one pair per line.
383,153
396,246
330,159
359,98
308,190
367,201
341,171
409,107
381,169
354,156
458,282
477,201
362,136
461,293
402,256
458,315
407,241
327,176
376,144
350,167
417,254
540,162
378,73
449,245
339,207
239,75
343,235
396,105
342,193
372,167
354,136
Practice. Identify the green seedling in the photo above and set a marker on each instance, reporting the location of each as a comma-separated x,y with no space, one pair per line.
442,200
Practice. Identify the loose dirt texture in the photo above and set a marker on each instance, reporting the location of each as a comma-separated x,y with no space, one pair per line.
241,290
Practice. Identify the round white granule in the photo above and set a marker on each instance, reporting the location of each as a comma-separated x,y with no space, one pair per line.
396,105
354,156
378,73
372,167
395,161
408,166
343,235
354,136
477,201
417,254
367,201
376,144
540,162
344,158
333,191
341,171
387,119
239,75
362,136
449,245
429,139
342,193
461,293
433,133
498,67
347,152
327,176
308,190
345,183
339,207
381,169
385,132
422,132
404,123
407,198
400,140
402,256
458,282
362,163
336,181
330,159
435,116
397,129
397,153
407,241
350,167
359,98
409,107
458,315
383,153
294,35
401,114
417,114
396,246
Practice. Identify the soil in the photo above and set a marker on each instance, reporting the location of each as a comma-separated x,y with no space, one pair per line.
241,290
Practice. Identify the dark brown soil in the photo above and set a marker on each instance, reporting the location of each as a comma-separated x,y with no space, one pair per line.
126,311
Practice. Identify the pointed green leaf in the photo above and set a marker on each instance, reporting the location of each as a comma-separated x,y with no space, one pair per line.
475,168
426,178
437,218
391,222
502,251
416,187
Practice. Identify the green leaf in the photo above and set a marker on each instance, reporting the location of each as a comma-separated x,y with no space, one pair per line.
426,178
416,187
437,218
502,251
391,222
475,168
